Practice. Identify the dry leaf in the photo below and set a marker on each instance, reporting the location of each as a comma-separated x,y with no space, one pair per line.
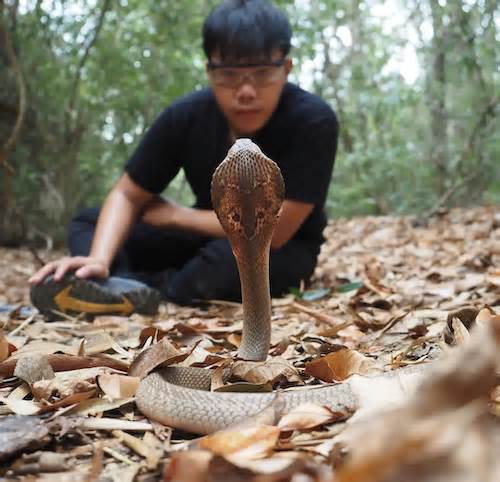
116,387
461,333
340,365
270,371
61,387
98,343
21,407
486,316
247,443
308,415
97,406
4,347
162,352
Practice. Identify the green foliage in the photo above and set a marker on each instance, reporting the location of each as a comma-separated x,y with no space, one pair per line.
406,143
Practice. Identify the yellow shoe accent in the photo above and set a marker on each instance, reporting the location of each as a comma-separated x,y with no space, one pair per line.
65,302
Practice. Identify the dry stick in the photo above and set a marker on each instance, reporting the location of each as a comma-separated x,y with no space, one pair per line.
22,326
110,424
321,317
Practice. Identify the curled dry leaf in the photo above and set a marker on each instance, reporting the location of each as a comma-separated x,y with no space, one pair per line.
460,333
162,352
486,316
116,387
339,365
247,443
4,347
270,371
308,415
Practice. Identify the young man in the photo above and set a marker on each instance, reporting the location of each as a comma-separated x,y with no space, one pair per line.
144,241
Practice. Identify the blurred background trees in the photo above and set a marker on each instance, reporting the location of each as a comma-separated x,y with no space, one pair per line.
415,84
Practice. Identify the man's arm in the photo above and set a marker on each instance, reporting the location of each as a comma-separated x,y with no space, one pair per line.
119,211
163,213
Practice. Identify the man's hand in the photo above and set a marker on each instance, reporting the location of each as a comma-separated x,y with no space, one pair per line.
83,266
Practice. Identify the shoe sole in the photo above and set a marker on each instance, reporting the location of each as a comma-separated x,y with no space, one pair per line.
73,295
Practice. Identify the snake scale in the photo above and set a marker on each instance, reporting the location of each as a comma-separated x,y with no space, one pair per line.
247,194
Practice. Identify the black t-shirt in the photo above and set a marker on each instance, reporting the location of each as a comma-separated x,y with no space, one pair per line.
193,134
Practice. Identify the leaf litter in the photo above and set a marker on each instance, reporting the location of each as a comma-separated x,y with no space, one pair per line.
386,295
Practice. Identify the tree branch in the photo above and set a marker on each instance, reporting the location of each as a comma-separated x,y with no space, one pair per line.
83,59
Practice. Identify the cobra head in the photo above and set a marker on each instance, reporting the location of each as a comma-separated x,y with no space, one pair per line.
247,194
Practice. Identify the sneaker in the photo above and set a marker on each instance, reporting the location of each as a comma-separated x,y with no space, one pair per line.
111,296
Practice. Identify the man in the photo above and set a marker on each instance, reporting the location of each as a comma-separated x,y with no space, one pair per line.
148,243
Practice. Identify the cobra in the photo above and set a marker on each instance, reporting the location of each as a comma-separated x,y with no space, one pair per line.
247,194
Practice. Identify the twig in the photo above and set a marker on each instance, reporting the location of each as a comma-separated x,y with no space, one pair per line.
104,423
22,326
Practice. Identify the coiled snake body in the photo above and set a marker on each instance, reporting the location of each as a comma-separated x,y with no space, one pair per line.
247,194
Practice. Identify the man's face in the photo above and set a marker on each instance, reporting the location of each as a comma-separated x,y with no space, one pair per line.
248,95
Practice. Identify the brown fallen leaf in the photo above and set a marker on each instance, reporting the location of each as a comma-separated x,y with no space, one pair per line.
246,443
339,365
61,387
487,316
4,347
308,415
162,352
271,371
116,387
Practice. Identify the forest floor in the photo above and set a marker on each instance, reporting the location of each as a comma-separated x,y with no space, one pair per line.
387,293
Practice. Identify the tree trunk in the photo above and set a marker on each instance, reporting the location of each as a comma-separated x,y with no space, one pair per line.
437,98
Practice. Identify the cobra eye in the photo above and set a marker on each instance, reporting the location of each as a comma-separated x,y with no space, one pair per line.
235,217
260,215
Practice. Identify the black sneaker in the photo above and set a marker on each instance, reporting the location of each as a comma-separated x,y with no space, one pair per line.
112,296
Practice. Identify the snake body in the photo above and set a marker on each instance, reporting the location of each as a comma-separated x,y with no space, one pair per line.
247,194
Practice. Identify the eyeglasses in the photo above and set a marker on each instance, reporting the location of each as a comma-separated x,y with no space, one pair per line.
233,76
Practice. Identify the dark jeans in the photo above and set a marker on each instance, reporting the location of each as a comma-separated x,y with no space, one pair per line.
186,267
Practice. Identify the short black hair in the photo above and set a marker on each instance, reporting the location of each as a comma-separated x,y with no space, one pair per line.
246,28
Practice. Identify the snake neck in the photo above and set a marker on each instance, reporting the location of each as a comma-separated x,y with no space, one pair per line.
254,277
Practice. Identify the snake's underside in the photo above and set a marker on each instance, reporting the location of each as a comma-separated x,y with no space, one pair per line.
247,194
